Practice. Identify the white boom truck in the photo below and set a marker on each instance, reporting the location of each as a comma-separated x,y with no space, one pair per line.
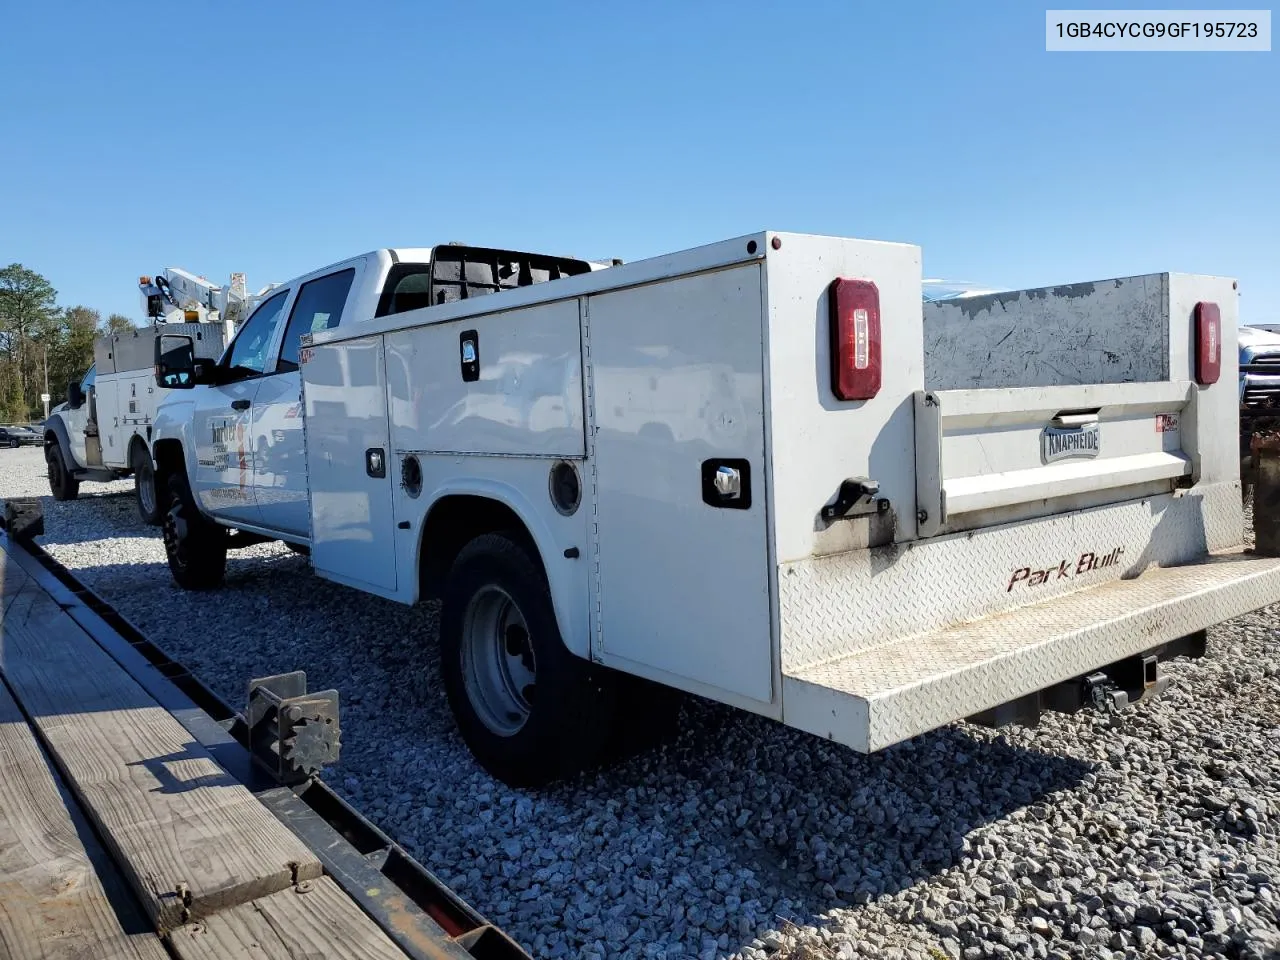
762,471
103,430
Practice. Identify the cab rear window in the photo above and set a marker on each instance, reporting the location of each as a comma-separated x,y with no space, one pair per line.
463,273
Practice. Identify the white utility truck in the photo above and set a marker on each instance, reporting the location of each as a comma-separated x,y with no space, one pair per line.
103,430
763,471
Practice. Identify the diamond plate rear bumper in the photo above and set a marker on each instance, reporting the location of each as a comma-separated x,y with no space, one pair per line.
879,696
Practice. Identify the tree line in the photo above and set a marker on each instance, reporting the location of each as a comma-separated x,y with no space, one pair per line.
38,336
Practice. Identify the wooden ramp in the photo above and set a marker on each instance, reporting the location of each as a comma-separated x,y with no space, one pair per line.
119,832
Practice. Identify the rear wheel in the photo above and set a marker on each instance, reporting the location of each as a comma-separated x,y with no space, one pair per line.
195,546
144,485
529,710
61,483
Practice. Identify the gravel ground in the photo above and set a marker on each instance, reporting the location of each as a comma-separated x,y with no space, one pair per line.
1155,832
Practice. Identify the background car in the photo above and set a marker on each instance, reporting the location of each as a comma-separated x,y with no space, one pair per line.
19,435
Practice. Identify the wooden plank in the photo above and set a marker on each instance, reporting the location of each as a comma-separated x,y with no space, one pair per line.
56,902
12,578
189,838
315,919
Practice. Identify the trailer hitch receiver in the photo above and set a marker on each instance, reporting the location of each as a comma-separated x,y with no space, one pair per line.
1117,686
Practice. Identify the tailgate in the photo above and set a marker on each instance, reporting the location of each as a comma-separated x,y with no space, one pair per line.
994,455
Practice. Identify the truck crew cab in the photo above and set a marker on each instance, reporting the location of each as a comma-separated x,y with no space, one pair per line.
764,471
229,447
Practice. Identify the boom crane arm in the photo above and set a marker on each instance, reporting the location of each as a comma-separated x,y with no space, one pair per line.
175,295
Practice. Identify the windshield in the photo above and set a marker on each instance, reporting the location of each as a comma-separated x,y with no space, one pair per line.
87,382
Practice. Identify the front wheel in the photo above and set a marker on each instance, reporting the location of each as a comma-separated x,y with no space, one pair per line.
529,710
144,486
195,546
62,484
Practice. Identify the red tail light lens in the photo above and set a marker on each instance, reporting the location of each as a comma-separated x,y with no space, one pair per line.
855,339
1208,343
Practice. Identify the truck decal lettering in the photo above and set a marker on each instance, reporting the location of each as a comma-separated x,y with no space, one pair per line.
222,432
240,453
1087,562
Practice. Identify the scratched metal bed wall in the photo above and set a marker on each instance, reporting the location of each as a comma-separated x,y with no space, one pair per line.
1108,331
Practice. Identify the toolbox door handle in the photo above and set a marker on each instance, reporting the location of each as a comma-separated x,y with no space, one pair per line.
1075,418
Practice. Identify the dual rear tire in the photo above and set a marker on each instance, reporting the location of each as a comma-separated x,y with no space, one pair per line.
530,711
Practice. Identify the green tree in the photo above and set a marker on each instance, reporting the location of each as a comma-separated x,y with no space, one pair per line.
42,346
119,323
28,308
13,408
69,346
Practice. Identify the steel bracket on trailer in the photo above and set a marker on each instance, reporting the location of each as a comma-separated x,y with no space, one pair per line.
294,734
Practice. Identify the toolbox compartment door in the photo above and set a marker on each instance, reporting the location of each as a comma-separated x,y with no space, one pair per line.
349,463
678,391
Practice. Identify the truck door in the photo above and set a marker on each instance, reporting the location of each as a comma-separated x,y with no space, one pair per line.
76,420
279,464
223,415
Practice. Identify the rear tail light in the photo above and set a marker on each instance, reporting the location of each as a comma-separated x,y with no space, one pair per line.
855,339
1208,343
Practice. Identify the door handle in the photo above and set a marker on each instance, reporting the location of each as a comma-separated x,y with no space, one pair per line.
1075,418
239,404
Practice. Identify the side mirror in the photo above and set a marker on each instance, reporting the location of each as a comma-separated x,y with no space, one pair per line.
75,395
176,365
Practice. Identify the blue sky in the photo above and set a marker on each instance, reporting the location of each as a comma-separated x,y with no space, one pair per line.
275,138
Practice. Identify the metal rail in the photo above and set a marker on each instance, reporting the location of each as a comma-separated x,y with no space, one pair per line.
417,910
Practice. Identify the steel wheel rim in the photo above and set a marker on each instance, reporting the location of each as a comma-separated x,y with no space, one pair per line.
147,490
498,666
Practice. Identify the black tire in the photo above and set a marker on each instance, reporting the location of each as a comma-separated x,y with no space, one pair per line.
570,712
195,546
145,493
62,484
